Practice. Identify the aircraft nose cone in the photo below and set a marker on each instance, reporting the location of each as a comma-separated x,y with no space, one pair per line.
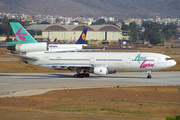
173,62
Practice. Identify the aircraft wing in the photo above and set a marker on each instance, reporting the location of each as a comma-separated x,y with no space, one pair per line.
59,66
83,50
89,50
23,57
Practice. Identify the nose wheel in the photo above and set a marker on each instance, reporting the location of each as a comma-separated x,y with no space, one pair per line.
149,74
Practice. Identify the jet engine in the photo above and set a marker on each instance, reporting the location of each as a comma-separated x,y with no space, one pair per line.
30,47
111,72
100,70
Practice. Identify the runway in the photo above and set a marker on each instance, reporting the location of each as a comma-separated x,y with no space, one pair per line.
26,84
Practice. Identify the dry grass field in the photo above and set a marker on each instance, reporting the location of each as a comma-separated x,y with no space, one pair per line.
120,103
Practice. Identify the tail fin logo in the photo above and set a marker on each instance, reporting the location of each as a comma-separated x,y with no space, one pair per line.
83,36
21,36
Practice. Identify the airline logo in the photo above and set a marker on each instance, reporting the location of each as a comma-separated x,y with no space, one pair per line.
139,58
100,71
83,36
143,64
21,36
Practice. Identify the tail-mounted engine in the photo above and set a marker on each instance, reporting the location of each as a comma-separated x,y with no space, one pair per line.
30,47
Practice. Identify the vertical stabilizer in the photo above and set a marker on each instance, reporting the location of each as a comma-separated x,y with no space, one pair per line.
82,38
21,34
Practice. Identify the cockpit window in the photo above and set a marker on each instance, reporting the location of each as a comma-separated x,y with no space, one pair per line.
168,59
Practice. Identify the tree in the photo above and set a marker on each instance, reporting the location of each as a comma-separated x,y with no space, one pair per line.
99,22
170,31
8,39
5,26
153,32
134,35
125,27
134,28
44,22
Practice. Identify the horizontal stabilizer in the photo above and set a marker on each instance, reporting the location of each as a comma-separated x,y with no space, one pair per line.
23,57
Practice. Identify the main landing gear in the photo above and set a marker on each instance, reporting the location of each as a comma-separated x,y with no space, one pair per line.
149,74
81,75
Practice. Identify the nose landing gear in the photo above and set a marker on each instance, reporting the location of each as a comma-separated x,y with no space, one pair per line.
149,74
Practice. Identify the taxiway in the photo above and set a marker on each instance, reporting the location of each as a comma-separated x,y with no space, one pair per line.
26,84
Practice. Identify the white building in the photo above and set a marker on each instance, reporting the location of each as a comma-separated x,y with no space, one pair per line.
72,32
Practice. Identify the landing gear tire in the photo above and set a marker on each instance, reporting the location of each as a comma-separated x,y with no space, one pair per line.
149,76
81,75
86,75
76,75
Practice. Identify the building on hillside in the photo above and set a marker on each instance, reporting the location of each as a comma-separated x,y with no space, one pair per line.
72,32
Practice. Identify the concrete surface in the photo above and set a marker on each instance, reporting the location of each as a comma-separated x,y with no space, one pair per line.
26,84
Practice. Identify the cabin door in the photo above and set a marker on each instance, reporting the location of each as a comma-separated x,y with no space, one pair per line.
92,60
47,59
128,66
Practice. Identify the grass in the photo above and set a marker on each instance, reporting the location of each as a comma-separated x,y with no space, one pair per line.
121,111
84,109
77,109
102,102
20,67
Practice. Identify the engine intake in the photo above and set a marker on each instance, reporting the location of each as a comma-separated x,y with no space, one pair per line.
100,70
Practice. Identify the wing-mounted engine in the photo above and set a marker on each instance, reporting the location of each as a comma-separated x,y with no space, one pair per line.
29,47
101,70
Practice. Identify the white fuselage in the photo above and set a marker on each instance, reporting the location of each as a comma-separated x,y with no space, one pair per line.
118,61
44,47
65,47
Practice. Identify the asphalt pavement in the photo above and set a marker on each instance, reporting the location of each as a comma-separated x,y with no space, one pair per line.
25,84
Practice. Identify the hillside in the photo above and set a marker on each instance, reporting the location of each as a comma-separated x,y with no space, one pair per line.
95,8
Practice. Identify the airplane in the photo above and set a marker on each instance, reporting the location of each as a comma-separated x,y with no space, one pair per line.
26,41
99,63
